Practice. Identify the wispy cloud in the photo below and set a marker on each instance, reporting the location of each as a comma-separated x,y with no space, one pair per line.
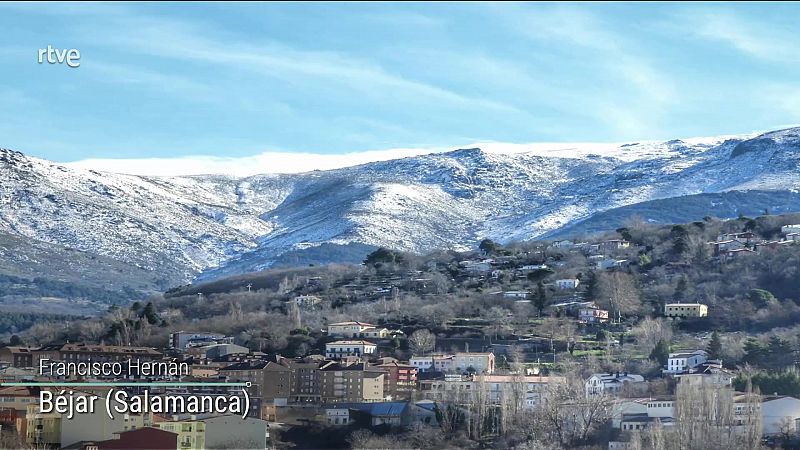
766,41
123,75
587,37
782,100
187,41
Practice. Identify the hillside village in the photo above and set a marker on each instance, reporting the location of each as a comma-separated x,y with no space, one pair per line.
618,341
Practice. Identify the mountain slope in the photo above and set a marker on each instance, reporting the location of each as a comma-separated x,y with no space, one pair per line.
180,227
684,209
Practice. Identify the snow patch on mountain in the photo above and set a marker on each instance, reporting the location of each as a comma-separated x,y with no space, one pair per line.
215,224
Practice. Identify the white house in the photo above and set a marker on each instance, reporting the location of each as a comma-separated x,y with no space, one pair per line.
422,363
787,229
515,294
610,263
337,416
592,314
610,383
442,363
661,408
433,363
777,412
349,329
532,267
682,362
479,362
340,349
568,283
459,362
793,237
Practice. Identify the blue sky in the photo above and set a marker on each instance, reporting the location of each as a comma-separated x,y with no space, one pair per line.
235,80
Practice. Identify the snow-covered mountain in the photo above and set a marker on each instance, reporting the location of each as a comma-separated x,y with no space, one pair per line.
217,225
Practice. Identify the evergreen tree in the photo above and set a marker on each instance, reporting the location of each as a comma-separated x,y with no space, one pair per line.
591,286
540,301
714,348
383,255
754,352
488,246
679,236
149,313
680,290
538,275
661,352
781,354
625,233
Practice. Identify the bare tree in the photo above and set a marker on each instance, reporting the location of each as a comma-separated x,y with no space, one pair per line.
564,414
294,315
479,408
650,331
707,417
556,329
617,292
421,342
499,319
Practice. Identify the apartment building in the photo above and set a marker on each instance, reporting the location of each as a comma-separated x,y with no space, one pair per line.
351,383
400,380
341,349
495,387
305,387
271,382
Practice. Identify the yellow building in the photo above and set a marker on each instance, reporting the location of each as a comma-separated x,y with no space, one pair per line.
42,429
191,433
684,310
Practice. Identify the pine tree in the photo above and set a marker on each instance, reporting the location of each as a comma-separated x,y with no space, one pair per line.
714,348
680,290
661,352
150,314
540,301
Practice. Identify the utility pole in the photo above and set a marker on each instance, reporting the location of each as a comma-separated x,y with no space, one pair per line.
249,286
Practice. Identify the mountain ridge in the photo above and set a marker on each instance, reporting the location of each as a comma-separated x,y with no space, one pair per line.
208,226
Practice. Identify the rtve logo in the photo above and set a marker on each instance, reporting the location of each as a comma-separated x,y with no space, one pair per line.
72,57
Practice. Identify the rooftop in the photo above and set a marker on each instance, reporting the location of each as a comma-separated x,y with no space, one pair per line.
350,343
350,323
